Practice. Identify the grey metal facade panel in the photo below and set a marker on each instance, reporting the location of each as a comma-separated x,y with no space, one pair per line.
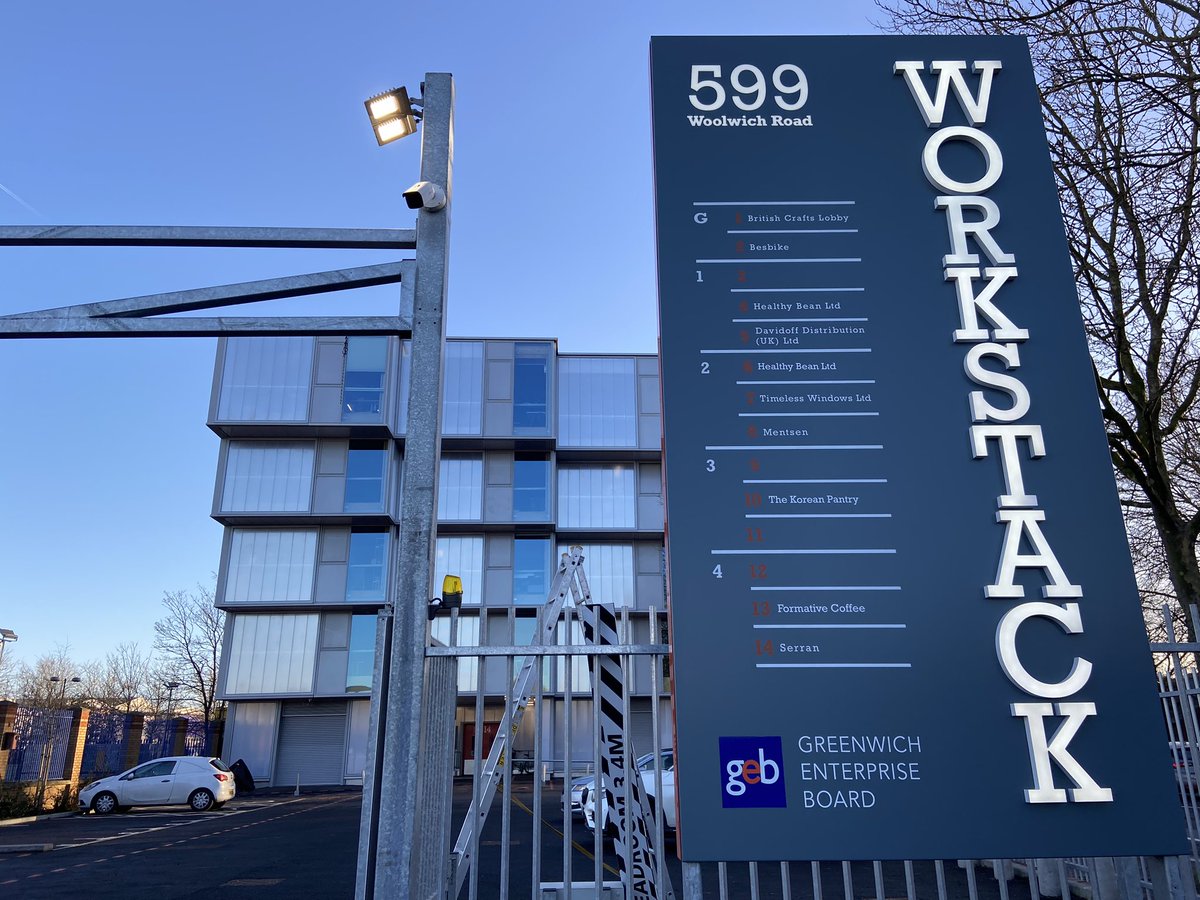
331,672
649,395
326,403
331,457
498,486
331,355
329,493
650,512
499,380
331,583
650,592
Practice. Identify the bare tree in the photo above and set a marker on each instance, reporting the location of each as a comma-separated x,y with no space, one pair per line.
188,643
1120,90
9,664
49,683
121,681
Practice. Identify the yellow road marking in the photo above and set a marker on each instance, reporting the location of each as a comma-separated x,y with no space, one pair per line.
574,843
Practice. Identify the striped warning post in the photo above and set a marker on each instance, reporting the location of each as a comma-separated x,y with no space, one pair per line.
635,848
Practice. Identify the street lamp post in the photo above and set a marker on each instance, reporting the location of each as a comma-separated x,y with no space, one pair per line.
391,840
7,636
170,686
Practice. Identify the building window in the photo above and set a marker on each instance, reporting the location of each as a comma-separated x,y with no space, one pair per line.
360,661
461,556
272,654
597,497
462,391
270,566
366,468
265,379
531,570
531,488
609,570
531,388
460,488
468,636
581,682
362,391
366,571
597,402
268,476
356,744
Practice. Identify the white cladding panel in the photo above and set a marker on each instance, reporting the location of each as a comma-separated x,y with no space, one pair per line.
460,488
272,654
461,556
270,566
268,476
597,497
597,402
265,379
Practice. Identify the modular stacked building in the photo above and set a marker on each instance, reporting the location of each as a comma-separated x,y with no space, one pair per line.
540,451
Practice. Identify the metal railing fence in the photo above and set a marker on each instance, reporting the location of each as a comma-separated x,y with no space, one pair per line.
104,745
565,861
40,744
157,736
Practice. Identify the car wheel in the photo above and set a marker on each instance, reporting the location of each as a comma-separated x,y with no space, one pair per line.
104,803
201,800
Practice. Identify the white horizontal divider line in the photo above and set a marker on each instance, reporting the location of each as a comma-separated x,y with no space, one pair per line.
807,350
798,552
815,319
814,481
796,290
801,415
870,588
833,665
818,515
814,259
791,231
814,381
794,447
839,625
772,203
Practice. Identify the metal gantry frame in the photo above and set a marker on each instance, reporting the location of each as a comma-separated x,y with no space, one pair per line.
387,850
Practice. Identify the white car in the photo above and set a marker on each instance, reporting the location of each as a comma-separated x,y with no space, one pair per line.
202,782
580,788
645,768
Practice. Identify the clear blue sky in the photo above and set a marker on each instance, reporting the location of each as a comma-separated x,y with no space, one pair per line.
251,114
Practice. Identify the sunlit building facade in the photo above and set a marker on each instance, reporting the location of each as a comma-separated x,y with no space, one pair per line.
539,451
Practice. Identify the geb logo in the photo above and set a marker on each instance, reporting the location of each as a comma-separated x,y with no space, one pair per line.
752,772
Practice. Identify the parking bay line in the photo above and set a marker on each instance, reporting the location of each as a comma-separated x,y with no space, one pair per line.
152,829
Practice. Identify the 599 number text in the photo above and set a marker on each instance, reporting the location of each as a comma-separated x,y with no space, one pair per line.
749,87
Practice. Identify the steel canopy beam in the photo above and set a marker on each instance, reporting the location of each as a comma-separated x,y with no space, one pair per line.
228,294
199,236
94,327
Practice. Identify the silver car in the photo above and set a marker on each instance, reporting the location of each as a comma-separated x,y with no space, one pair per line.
201,782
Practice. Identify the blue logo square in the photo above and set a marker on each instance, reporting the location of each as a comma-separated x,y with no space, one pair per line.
752,772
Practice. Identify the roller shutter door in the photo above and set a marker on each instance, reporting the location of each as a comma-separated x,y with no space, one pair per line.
312,744
641,727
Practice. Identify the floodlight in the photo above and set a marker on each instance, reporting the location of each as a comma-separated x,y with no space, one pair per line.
391,115
7,634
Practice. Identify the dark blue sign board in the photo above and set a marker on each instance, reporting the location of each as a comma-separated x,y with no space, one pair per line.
904,617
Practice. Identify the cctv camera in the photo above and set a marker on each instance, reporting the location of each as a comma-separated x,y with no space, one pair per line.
425,195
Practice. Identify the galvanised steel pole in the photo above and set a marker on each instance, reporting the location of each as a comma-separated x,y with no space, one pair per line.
390,827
